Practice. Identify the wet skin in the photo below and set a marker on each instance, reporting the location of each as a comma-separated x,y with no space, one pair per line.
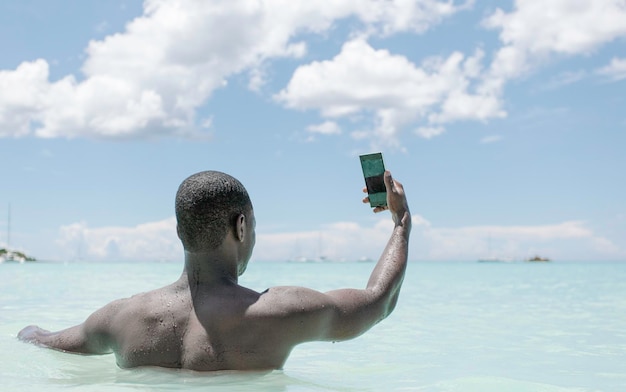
206,321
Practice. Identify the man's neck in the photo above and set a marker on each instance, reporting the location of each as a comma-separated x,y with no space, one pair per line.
210,268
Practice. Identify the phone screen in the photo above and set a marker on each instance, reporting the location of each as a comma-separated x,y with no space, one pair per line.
373,171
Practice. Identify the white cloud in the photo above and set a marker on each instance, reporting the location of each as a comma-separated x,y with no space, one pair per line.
257,79
150,79
571,229
429,132
565,241
325,128
563,79
616,70
419,220
157,241
102,26
535,30
571,240
154,241
349,241
560,26
341,241
142,82
22,97
362,80
491,139
389,17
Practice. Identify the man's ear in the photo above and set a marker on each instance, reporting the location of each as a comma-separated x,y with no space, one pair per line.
178,232
240,229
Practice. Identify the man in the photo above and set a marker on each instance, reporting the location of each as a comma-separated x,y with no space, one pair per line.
205,321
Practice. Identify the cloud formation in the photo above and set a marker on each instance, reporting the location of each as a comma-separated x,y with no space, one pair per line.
615,71
347,241
397,93
151,79
362,80
534,32
153,241
564,241
325,128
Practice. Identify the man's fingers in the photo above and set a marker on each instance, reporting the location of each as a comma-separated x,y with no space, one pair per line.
389,185
381,209
388,180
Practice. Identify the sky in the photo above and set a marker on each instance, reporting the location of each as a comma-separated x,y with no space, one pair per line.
504,120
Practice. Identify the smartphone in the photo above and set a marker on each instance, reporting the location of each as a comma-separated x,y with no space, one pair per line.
373,171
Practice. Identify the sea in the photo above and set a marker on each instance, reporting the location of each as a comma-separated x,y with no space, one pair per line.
458,326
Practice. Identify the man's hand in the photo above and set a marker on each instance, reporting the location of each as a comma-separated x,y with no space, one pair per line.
30,333
396,201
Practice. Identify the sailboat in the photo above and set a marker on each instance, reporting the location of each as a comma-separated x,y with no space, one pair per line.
320,258
491,258
8,255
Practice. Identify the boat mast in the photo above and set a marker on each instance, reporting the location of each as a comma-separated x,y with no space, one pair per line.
9,228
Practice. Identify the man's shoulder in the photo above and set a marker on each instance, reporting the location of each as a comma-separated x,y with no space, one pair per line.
139,304
284,300
285,293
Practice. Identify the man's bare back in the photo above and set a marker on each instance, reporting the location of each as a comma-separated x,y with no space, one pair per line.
214,330
206,321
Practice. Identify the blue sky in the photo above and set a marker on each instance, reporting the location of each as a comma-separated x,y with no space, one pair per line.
505,121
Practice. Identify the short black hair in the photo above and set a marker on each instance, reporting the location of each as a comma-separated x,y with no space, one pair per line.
207,206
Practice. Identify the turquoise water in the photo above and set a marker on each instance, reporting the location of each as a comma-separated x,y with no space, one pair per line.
457,327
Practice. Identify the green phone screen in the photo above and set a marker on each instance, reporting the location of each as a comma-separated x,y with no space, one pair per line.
373,171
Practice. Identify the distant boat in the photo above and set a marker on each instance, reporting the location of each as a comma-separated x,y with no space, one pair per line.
492,259
321,258
538,258
11,256
8,255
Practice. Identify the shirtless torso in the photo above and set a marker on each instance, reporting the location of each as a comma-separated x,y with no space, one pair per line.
213,331
206,321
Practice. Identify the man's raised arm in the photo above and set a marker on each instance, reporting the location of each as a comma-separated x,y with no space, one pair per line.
347,313
359,310
388,274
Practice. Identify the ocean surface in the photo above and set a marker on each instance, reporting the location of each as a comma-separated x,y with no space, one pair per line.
458,327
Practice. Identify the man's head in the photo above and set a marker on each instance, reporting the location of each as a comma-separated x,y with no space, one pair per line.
208,205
